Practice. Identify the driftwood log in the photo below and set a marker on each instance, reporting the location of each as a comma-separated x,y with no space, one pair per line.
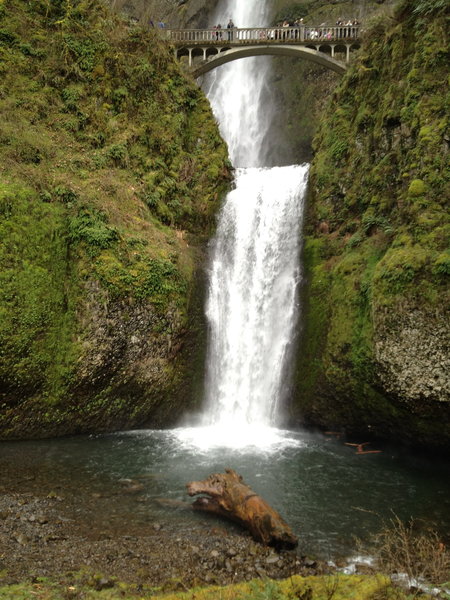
228,496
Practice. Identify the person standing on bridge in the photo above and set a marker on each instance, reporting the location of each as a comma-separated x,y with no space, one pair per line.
230,28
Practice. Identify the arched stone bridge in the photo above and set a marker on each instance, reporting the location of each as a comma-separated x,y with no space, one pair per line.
206,49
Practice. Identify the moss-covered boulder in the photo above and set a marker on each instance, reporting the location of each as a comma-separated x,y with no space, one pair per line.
375,349
111,171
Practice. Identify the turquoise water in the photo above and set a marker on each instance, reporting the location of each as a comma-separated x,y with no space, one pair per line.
323,489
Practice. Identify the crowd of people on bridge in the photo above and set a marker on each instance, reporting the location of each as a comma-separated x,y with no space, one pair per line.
288,30
285,30
346,29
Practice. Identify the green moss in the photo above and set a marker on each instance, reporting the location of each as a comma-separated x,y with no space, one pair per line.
441,266
110,159
379,180
37,296
309,367
90,228
417,188
399,267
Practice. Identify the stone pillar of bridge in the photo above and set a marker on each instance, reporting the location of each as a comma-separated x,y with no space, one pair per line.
332,46
190,56
347,54
204,53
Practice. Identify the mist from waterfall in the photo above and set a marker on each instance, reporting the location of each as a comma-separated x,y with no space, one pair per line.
254,271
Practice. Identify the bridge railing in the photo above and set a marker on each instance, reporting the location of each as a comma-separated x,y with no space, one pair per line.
240,36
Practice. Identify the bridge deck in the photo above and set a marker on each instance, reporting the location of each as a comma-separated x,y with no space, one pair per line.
262,35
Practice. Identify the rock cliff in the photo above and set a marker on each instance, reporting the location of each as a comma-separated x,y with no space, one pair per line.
375,349
173,13
301,88
111,172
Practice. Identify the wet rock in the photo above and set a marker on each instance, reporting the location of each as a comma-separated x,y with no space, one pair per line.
172,503
104,584
125,481
21,539
131,486
54,496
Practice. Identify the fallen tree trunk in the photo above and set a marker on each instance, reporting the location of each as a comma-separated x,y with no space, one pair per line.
229,497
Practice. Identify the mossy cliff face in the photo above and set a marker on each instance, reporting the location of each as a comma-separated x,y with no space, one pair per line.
375,350
111,171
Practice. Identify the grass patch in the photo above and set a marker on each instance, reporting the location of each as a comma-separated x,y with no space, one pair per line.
326,587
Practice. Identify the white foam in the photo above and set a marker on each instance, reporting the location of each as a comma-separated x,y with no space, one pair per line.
238,437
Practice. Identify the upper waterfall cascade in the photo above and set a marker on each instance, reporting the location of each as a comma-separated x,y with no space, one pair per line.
236,91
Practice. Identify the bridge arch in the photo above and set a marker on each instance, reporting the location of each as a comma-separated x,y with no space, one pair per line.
236,53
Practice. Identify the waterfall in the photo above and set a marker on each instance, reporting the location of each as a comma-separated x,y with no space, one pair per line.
254,262
237,90
252,299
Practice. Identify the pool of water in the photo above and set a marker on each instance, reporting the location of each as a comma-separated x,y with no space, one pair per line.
327,492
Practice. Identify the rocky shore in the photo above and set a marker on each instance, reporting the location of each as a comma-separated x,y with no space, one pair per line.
57,531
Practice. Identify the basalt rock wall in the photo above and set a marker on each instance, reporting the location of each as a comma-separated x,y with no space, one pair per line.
173,13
